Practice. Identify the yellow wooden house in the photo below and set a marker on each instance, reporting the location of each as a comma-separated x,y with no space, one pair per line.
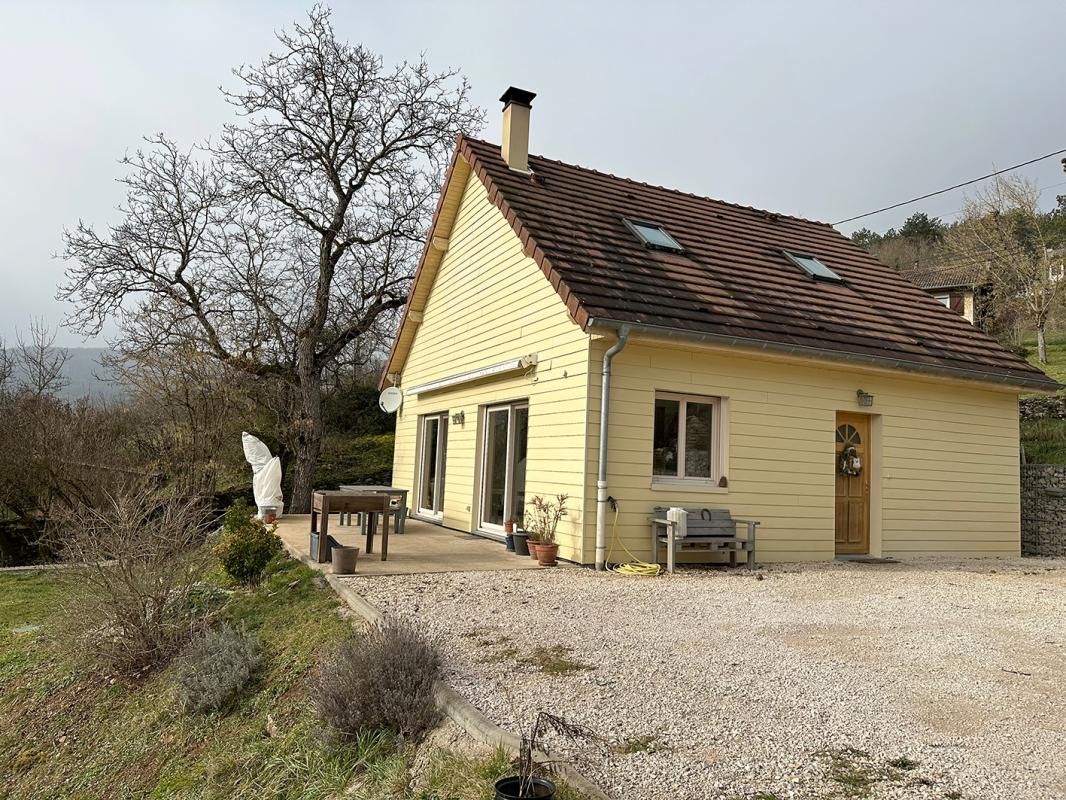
574,332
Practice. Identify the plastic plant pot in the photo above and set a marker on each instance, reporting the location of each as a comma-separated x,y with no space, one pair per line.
344,559
521,543
511,788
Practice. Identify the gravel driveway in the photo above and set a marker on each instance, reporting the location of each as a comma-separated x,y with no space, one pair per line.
939,680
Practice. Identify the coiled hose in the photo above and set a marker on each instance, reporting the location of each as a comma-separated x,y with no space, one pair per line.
636,567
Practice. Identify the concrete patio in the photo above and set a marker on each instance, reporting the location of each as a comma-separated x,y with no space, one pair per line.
422,548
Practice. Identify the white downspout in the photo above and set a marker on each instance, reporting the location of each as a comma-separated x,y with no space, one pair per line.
601,475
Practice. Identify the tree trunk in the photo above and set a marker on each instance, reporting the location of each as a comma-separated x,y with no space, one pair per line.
1041,344
308,433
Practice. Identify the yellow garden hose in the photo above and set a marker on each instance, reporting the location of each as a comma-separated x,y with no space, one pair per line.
641,569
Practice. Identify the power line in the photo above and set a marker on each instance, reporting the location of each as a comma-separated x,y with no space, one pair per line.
1041,189
952,188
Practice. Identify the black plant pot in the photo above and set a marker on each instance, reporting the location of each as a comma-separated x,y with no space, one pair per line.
509,788
521,543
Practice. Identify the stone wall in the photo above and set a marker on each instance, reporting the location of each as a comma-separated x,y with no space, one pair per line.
1044,510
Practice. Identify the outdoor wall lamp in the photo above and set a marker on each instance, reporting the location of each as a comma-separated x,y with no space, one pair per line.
459,419
865,400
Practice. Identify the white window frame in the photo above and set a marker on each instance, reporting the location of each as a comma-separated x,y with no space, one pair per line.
442,449
943,299
508,497
717,405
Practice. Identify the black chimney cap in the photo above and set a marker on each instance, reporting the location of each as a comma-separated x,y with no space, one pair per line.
519,96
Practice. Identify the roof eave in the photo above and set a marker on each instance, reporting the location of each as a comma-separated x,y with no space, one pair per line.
1022,383
391,365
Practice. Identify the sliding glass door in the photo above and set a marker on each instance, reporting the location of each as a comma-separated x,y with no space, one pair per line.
433,450
503,466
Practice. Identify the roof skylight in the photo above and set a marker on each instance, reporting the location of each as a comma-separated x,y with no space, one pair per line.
813,267
652,235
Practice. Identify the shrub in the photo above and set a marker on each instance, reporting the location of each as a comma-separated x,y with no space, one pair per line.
247,544
214,666
380,682
140,561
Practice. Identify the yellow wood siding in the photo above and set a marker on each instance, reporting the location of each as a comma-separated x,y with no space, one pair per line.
489,303
945,454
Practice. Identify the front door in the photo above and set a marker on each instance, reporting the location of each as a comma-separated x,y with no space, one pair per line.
852,467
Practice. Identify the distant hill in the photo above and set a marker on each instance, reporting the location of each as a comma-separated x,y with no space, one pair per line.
87,376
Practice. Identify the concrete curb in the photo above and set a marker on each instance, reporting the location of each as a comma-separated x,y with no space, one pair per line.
458,709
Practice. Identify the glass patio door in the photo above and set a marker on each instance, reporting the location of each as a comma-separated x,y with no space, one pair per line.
503,468
431,465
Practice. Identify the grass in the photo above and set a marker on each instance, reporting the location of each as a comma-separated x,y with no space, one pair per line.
639,744
554,660
66,731
856,774
354,459
1044,440
1056,357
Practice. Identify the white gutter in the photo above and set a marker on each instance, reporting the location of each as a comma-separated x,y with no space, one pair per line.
601,475
1011,379
513,365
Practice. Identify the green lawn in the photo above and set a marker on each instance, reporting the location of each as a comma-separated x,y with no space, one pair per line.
69,732
1044,440
1056,357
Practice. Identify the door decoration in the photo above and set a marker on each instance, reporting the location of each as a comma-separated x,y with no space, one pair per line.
849,462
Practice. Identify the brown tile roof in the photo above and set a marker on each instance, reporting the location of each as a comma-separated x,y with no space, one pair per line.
731,282
952,276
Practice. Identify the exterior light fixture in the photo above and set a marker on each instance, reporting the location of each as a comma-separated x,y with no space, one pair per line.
865,400
459,419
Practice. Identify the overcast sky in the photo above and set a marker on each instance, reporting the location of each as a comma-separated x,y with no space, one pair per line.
824,110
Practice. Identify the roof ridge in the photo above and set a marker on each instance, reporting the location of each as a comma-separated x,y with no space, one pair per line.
622,178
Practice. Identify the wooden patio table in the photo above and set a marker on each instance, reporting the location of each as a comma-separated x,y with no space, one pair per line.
391,491
331,501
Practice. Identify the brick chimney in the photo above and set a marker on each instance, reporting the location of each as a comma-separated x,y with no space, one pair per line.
517,104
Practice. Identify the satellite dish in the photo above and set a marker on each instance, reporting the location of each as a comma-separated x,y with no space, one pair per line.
390,400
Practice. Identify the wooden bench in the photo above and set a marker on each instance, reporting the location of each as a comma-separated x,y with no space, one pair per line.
712,529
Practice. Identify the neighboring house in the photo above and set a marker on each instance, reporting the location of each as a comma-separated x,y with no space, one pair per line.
960,288
742,350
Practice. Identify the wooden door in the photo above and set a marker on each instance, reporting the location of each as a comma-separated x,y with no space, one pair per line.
852,490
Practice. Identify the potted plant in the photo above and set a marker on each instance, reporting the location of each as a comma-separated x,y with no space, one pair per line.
542,522
508,533
526,784
521,540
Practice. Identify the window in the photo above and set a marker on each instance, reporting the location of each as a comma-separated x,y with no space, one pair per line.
432,455
686,438
812,266
945,299
652,235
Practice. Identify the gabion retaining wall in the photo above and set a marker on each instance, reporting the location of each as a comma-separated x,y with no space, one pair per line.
1044,510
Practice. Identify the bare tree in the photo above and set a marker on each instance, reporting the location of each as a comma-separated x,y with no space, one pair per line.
188,406
7,368
38,363
294,239
1002,228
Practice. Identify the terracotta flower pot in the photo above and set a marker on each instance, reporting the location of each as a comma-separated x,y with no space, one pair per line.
532,544
508,527
546,554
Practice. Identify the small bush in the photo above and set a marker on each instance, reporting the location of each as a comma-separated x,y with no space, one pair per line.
214,667
140,559
381,682
247,544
